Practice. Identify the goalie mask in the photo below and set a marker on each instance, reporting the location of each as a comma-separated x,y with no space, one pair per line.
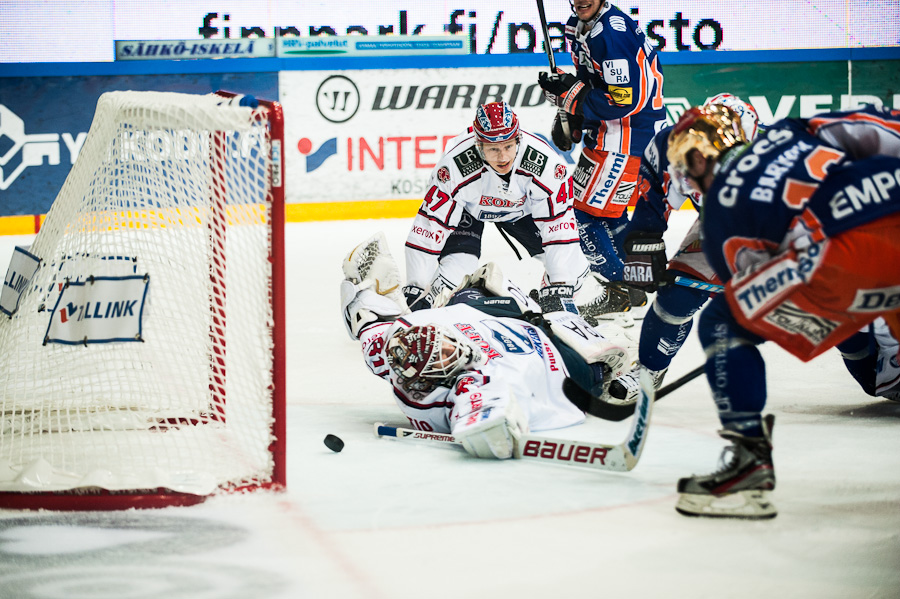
425,357
711,129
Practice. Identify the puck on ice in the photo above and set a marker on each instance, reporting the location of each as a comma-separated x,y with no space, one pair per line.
334,443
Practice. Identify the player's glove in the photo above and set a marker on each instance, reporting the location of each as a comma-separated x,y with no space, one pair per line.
563,90
645,260
562,141
555,298
416,298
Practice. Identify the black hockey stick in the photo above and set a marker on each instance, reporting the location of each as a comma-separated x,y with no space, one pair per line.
596,406
563,117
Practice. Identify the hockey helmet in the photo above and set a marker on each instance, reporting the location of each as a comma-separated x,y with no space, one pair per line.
423,357
710,129
495,122
744,110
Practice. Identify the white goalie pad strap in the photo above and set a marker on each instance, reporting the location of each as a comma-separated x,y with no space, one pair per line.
494,431
608,343
362,307
370,265
490,277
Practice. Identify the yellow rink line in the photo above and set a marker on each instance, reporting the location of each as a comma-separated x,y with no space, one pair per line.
294,213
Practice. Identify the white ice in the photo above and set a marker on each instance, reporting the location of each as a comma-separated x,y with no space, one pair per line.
390,519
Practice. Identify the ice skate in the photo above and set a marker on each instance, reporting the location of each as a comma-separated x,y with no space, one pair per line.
638,300
740,488
607,302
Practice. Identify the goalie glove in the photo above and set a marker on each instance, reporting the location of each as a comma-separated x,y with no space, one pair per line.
563,90
370,266
645,261
492,432
363,307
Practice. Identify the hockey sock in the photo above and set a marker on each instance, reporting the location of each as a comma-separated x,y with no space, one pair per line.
667,325
734,368
860,359
598,242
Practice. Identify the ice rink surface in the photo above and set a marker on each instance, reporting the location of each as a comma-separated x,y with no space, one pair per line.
390,519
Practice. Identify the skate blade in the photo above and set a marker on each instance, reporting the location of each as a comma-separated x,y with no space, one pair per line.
621,319
751,505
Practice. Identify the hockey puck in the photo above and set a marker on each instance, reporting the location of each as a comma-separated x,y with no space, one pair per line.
334,443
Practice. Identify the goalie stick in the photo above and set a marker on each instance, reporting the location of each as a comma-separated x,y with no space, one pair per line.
614,412
563,117
617,458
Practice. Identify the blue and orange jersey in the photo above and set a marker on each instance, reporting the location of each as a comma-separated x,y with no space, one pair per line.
810,178
623,108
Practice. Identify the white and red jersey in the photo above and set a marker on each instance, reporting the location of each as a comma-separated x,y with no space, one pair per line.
521,362
539,186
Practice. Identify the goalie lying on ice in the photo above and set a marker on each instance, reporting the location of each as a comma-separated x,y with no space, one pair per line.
486,365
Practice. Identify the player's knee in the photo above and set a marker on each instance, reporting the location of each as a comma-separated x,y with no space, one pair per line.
676,305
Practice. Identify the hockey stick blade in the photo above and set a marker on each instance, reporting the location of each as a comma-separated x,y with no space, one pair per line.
615,412
563,452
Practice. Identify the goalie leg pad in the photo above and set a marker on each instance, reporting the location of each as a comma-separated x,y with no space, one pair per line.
490,278
609,344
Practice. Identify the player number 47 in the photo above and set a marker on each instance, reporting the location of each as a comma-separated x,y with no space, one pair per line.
441,198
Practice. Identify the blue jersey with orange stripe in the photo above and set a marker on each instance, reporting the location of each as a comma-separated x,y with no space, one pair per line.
623,108
790,183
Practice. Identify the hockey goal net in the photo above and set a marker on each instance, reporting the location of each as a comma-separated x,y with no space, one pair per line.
142,339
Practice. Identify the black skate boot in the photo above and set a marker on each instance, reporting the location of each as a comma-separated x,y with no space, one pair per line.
637,298
740,489
609,301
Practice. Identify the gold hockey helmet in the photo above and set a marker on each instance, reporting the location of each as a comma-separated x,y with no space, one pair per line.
710,129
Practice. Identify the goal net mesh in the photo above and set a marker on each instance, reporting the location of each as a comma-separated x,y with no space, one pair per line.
171,193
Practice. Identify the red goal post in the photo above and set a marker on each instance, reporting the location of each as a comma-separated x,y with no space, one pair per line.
142,342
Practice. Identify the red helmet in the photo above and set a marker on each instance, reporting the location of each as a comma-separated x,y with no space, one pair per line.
496,122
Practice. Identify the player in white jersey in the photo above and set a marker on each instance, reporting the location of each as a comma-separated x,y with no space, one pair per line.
478,374
495,172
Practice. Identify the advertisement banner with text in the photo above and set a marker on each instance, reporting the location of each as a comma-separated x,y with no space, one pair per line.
376,134
81,30
44,122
